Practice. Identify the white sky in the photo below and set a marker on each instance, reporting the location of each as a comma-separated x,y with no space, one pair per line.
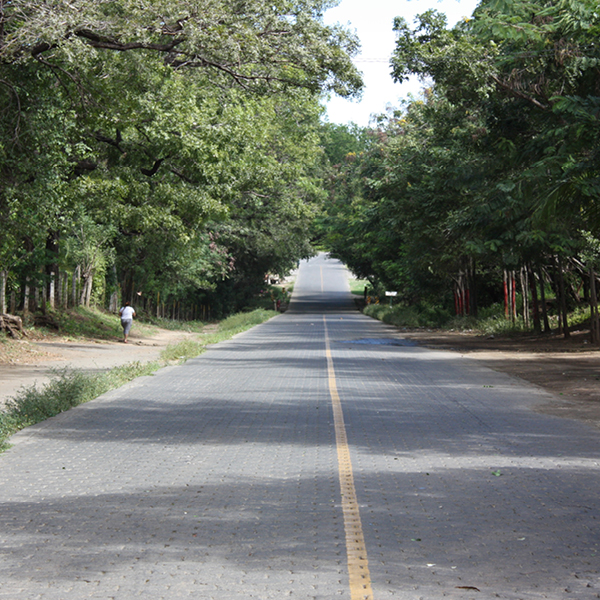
372,20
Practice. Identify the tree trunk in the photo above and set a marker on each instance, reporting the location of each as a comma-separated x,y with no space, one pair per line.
43,298
52,291
525,291
543,299
506,296
86,289
52,270
64,301
510,295
473,289
26,298
563,300
75,281
537,326
3,278
594,317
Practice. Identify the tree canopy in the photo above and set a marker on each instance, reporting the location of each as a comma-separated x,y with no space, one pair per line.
494,171
164,148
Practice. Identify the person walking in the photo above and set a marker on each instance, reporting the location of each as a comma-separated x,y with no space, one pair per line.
126,313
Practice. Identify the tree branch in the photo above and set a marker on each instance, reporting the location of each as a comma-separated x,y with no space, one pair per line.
98,41
518,94
18,118
181,175
116,142
154,169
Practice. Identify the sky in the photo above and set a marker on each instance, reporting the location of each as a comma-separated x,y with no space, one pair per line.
372,21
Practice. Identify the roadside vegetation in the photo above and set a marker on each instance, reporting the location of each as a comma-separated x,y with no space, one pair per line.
226,329
69,388
485,189
143,159
491,320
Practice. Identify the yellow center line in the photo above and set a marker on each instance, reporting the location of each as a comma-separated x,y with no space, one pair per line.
358,565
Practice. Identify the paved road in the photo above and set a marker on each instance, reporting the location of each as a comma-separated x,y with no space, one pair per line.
316,456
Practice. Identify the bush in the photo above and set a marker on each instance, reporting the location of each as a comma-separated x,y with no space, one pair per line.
420,315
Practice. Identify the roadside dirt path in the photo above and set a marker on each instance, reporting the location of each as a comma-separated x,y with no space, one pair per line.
31,362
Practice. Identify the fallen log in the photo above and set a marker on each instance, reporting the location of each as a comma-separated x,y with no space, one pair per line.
12,325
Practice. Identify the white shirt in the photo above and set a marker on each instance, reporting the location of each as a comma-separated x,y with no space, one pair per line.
127,312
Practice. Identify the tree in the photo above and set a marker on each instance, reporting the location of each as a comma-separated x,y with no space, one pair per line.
150,121
494,171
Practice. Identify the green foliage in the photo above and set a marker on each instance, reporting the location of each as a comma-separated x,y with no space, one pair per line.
420,315
493,170
172,148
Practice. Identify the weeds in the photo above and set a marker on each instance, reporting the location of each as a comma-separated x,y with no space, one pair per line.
423,315
67,388
183,350
490,322
173,325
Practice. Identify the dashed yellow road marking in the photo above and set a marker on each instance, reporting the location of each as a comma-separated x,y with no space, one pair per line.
358,564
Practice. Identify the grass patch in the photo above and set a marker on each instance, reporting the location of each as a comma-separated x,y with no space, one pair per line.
183,350
82,322
357,286
172,325
226,329
67,388
423,315
429,316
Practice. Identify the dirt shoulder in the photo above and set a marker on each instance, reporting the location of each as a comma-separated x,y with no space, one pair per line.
32,360
569,369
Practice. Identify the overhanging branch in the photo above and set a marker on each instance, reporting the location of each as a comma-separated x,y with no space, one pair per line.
518,93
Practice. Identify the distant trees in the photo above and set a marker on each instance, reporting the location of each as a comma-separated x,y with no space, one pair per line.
491,181
167,149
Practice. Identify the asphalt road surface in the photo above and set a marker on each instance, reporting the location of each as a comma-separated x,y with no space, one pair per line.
319,455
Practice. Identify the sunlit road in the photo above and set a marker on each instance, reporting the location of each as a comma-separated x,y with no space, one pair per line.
316,456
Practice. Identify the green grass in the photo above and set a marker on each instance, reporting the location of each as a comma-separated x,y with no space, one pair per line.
408,316
226,329
357,286
172,325
490,321
81,322
70,387
67,388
